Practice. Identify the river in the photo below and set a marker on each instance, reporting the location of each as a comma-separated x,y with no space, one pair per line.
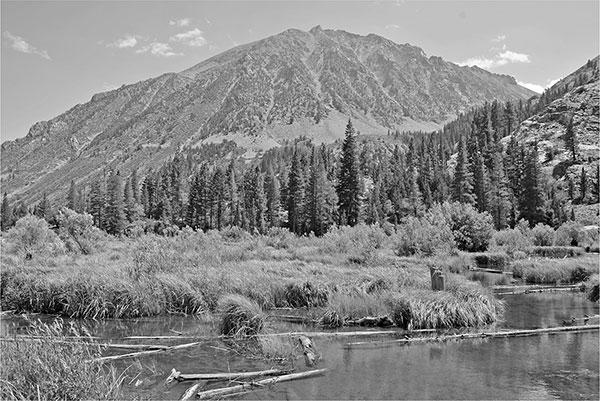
556,366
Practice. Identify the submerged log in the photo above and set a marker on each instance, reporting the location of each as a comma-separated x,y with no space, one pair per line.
141,353
178,376
379,321
252,385
465,336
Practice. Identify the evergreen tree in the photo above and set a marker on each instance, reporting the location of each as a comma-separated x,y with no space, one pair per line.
135,186
531,200
72,196
571,139
260,202
499,194
6,214
273,198
296,194
321,197
348,188
218,197
462,186
509,118
42,209
129,202
233,197
115,210
596,186
583,185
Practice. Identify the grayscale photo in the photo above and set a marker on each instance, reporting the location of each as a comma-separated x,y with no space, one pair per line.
300,200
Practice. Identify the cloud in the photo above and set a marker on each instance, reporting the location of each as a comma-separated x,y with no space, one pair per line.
20,45
538,88
125,42
512,57
499,38
500,59
392,27
192,38
180,22
158,49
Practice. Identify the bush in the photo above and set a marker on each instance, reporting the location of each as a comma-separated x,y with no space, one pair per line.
32,235
571,234
472,230
592,287
420,236
511,241
553,271
360,242
490,260
54,367
306,295
542,235
557,251
77,231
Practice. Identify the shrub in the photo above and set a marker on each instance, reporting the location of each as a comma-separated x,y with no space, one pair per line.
571,234
242,317
553,271
306,295
491,260
542,235
472,230
54,367
511,241
592,287
557,251
32,235
77,231
420,236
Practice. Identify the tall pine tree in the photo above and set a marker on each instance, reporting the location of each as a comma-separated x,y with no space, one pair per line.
348,188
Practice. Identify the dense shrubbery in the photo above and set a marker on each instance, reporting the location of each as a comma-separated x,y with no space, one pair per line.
472,230
31,235
542,235
554,271
424,236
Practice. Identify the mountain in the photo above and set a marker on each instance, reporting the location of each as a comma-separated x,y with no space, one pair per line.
576,97
258,95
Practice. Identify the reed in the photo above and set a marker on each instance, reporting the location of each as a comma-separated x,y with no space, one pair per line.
555,271
51,368
242,317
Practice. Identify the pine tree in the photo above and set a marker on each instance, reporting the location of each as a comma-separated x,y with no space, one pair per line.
260,200
531,200
571,139
348,188
129,202
296,194
583,185
115,210
42,209
321,197
72,196
97,204
273,198
499,194
6,214
462,186
135,186
596,185
218,197
509,118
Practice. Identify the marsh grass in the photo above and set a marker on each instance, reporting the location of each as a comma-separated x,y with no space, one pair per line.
54,366
592,287
555,271
241,317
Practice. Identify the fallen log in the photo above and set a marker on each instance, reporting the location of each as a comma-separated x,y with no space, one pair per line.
465,336
293,319
251,385
190,392
180,377
365,333
495,271
141,353
541,290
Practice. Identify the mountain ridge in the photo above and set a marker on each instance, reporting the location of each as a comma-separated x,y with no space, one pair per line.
290,84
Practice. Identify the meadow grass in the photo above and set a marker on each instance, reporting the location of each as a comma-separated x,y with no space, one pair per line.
555,271
347,271
53,366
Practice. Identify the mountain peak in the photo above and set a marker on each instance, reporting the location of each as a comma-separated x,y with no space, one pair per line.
316,29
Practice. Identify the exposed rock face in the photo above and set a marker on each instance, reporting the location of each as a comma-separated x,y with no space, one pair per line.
581,101
294,83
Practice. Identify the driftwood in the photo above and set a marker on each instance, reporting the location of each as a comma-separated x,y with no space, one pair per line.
141,353
219,392
495,271
308,350
540,290
379,321
499,334
191,391
180,377
293,319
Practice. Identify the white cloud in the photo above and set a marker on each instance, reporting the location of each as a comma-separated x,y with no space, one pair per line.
392,27
538,88
499,38
180,22
158,49
125,42
192,38
20,45
513,57
500,59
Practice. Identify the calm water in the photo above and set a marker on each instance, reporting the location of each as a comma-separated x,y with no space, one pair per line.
561,366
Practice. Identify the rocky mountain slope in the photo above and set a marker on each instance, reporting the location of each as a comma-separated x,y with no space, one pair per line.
258,94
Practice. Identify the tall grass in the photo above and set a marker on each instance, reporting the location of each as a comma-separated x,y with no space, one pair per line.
555,271
55,367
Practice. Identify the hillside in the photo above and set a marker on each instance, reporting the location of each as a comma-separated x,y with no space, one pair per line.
258,95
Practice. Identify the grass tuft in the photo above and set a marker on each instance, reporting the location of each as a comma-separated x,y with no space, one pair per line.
242,317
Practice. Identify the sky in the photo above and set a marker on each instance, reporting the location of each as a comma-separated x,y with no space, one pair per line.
56,54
